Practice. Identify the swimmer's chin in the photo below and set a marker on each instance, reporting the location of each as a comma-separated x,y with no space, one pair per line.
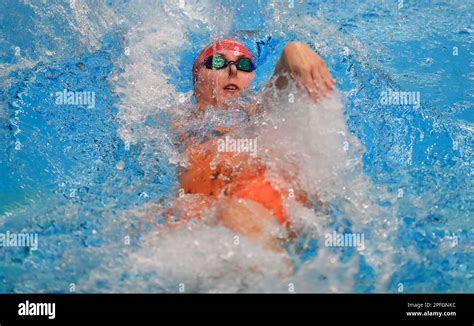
230,94
228,100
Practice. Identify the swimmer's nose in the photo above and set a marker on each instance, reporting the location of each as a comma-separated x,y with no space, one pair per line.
232,69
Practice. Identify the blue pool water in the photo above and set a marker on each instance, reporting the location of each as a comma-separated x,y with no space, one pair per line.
81,178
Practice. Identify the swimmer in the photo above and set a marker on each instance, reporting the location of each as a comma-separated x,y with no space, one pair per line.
234,184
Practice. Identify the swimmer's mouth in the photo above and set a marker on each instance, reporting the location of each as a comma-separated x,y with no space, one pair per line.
232,88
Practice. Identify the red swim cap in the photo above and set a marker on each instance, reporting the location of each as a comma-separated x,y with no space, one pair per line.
231,44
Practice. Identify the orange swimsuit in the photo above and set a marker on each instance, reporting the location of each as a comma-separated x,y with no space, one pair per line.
212,173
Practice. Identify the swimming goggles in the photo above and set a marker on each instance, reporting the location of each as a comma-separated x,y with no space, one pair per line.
218,62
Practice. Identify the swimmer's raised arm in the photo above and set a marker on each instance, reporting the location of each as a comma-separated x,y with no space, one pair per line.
305,67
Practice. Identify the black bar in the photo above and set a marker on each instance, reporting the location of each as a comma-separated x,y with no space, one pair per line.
381,307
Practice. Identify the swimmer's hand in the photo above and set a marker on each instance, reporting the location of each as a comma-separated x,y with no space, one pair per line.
249,218
306,68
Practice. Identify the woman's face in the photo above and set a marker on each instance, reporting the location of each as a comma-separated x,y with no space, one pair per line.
214,86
